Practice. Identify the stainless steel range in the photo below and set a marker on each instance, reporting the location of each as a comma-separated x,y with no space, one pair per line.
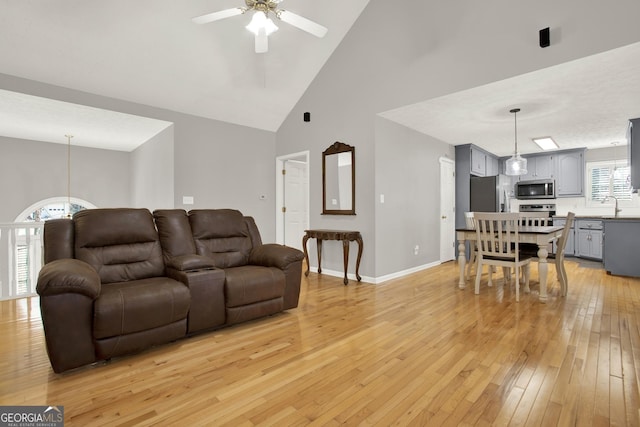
542,207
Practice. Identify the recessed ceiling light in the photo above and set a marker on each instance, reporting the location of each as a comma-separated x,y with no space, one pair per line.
546,143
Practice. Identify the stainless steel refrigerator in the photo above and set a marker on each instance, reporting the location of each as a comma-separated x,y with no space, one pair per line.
490,193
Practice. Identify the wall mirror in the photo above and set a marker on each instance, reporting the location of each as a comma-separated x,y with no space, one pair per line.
339,180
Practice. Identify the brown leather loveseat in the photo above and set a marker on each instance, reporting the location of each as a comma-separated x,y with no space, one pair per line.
117,281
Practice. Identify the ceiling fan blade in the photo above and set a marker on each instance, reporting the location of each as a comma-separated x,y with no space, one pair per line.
302,23
216,16
262,42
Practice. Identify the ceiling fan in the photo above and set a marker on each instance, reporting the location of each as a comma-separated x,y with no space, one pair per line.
261,25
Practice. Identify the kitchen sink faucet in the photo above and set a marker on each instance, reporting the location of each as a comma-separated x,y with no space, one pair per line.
617,210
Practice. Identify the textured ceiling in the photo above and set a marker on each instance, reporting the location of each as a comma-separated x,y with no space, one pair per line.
583,103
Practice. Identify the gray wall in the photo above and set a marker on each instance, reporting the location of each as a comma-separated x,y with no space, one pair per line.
152,174
219,164
32,171
395,56
407,170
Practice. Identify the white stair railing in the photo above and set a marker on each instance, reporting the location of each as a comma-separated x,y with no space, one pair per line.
21,257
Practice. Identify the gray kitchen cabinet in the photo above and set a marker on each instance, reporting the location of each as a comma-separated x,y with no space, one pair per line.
570,173
633,142
478,162
621,247
569,249
493,166
539,167
588,234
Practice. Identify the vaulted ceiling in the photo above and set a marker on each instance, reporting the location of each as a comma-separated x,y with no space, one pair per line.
150,52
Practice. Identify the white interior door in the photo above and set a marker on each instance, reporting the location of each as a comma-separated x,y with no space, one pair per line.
447,210
292,198
295,202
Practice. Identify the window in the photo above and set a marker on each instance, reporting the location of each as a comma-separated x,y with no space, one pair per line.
607,179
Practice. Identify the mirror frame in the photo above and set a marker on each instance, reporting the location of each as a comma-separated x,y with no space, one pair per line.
336,148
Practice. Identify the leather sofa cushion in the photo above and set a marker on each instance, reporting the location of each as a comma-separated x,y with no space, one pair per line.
138,305
120,244
222,235
251,283
174,232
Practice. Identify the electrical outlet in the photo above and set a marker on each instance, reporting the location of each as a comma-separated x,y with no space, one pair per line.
416,250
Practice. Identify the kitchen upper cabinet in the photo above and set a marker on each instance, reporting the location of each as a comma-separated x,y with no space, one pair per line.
589,238
493,166
633,142
539,167
481,163
570,173
478,162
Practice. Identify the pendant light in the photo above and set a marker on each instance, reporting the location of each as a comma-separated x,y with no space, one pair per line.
516,165
69,136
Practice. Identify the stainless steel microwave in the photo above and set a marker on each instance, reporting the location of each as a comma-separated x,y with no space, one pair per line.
537,189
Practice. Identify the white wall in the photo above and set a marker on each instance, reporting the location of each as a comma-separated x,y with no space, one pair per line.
395,56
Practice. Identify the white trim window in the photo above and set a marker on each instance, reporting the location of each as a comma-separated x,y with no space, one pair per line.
607,180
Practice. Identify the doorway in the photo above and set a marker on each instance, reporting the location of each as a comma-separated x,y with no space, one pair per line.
292,198
447,209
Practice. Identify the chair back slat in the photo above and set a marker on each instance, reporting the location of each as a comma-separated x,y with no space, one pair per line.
497,234
562,241
534,219
470,222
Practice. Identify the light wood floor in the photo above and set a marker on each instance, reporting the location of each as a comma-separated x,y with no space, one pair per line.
412,351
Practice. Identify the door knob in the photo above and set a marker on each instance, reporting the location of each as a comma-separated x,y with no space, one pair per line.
444,217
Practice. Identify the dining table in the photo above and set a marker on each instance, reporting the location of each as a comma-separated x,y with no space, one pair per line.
539,235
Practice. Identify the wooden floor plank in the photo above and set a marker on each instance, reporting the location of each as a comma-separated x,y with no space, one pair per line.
411,351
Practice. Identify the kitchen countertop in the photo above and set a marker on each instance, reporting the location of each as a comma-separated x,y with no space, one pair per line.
603,217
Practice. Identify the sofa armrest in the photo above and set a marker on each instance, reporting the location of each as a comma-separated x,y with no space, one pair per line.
190,262
274,255
68,275
68,288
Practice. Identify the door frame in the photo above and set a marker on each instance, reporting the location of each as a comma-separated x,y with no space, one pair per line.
280,218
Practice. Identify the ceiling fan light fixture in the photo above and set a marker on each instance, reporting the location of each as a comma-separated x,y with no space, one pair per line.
260,23
516,165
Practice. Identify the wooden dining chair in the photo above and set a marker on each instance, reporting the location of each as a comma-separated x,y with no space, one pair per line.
497,245
535,219
558,255
470,223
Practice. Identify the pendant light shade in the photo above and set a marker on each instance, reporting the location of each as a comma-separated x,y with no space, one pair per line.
516,165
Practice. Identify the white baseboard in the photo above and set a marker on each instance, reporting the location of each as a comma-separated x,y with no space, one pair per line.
377,280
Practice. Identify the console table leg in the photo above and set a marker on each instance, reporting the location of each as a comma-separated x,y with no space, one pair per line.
306,254
319,246
359,240
345,255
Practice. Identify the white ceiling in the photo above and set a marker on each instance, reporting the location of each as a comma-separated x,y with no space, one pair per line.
583,103
41,119
149,52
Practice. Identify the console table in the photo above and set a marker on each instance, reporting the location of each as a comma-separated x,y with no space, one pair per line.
345,236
